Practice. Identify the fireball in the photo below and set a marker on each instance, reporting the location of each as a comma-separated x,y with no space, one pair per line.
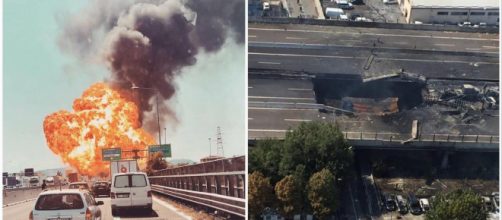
101,118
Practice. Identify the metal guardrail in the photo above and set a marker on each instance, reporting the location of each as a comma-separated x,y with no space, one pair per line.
400,137
217,184
231,205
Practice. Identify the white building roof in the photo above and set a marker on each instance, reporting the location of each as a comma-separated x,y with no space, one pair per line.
488,4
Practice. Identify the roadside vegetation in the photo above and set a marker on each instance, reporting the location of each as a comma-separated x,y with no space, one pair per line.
301,174
460,204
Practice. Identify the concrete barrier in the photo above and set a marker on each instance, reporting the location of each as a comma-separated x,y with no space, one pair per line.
14,196
425,27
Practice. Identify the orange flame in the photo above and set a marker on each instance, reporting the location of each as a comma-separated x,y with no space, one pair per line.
101,118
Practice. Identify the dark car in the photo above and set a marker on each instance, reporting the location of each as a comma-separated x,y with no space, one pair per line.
415,208
101,188
357,2
390,202
79,185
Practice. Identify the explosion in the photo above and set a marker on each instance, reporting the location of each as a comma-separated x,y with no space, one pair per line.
101,118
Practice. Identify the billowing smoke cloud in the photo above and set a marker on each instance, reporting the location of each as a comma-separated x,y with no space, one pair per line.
147,43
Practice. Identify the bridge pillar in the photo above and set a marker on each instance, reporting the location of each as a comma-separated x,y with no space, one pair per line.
444,161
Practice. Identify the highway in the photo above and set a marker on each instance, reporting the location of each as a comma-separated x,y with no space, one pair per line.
161,210
371,51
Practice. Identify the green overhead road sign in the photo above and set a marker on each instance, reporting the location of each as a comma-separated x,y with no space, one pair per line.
164,148
110,154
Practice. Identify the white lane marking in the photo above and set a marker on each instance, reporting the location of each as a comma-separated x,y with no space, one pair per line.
445,45
351,40
306,55
299,89
250,118
252,36
270,63
297,120
267,130
374,34
296,38
394,59
401,43
490,47
271,97
169,206
283,109
250,87
473,48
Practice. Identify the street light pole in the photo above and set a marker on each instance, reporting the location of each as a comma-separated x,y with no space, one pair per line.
157,103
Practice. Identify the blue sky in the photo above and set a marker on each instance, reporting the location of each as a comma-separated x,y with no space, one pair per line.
38,80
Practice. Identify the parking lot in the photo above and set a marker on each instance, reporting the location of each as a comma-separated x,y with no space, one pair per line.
375,10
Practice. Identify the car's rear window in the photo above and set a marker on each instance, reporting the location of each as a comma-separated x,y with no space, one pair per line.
138,180
131,180
101,184
78,186
59,202
122,181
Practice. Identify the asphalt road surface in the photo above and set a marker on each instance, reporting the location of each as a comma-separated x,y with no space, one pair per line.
161,211
371,51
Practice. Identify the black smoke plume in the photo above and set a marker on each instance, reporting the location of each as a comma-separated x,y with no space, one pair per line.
146,44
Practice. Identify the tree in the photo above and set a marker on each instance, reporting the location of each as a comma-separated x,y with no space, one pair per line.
289,192
260,194
459,205
316,145
322,193
155,162
265,158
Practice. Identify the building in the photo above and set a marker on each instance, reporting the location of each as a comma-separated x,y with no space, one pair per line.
451,11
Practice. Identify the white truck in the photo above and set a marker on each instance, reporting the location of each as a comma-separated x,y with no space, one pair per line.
123,166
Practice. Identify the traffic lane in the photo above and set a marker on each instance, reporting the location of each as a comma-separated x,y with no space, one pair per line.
478,68
367,39
254,28
281,88
160,211
19,211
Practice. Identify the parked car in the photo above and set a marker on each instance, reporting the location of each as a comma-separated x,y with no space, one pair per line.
79,185
363,19
496,202
390,202
415,208
424,204
71,204
266,6
100,188
487,203
130,190
357,2
402,204
344,4
390,2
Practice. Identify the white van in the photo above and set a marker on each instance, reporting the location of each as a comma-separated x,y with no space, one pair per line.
334,13
130,190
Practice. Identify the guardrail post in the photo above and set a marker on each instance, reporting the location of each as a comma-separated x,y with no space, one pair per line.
390,139
376,134
448,138
463,137
491,139
433,137
346,134
477,136
360,135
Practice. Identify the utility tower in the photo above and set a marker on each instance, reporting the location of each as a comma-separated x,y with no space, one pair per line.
219,143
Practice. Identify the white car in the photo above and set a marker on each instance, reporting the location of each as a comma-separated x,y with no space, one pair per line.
424,204
67,204
389,2
266,6
130,190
